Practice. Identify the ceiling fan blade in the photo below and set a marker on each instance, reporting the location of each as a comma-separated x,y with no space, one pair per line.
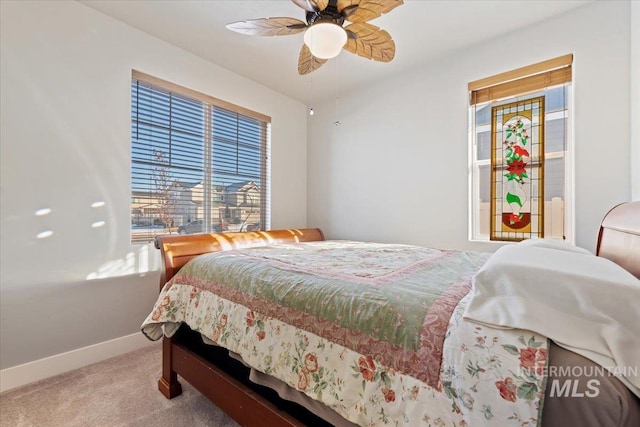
268,26
370,42
312,5
366,10
307,62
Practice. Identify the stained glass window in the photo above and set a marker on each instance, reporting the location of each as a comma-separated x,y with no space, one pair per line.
517,160
520,153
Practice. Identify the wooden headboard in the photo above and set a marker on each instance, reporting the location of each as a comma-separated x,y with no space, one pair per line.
177,249
619,237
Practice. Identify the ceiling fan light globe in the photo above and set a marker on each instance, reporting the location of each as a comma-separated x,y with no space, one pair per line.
325,40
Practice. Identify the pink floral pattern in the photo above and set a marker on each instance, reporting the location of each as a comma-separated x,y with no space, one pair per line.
393,341
486,376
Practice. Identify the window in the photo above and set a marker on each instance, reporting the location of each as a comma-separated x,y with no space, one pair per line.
198,164
520,144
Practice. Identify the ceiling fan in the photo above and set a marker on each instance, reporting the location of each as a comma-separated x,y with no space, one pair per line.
325,36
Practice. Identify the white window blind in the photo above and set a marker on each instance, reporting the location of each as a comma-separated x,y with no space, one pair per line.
198,164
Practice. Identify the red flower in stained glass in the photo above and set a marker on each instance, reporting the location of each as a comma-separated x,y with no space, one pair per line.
520,151
517,167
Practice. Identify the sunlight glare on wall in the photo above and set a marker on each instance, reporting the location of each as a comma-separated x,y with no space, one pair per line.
45,233
143,260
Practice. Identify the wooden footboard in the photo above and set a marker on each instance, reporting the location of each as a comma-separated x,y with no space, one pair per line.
211,375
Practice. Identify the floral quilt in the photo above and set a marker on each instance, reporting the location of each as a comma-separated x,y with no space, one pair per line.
374,331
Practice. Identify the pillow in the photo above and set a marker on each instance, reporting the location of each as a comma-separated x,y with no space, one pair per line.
554,244
584,303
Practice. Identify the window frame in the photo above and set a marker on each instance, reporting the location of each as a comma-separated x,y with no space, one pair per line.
499,88
212,108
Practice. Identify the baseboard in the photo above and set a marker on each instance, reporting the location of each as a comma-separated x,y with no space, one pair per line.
37,370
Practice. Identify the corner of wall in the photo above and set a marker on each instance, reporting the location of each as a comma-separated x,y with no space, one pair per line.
634,111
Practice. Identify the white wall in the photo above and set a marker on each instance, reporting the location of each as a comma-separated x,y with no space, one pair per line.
635,100
396,168
65,132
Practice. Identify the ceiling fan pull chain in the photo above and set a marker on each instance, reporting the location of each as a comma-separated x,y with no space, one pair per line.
337,82
311,109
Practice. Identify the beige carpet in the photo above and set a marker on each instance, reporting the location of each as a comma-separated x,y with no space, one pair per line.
121,391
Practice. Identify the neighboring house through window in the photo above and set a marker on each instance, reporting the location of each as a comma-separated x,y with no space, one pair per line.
520,153
198,164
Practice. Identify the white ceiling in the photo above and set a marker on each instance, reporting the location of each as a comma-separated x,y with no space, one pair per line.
422,30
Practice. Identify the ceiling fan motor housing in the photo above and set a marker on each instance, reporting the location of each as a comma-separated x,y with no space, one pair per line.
329,14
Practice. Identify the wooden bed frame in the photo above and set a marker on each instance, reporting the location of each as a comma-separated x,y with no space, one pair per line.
619,237
225,382
221,379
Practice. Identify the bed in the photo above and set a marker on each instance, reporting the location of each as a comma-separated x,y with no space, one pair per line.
473,369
